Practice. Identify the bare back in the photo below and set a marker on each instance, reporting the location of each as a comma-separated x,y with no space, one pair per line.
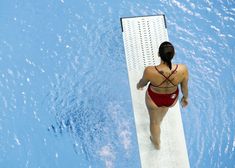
157,76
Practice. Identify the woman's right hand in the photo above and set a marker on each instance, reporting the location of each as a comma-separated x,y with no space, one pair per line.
138,87
184,102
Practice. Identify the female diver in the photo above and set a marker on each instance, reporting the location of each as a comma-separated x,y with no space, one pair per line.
162,91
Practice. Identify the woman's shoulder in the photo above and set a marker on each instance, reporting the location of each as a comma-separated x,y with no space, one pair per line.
182,67
149,68
182,70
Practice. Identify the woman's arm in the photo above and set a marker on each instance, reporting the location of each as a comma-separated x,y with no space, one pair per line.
144,80
184,87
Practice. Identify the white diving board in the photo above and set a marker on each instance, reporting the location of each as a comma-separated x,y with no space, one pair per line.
142,36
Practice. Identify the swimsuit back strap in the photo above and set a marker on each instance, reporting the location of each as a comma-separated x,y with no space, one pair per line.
167,78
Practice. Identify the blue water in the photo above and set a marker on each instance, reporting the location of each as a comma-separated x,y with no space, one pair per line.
64,92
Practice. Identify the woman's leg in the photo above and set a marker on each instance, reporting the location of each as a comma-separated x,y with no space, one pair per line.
156,117
156,114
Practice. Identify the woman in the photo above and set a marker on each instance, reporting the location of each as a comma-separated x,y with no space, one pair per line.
162,91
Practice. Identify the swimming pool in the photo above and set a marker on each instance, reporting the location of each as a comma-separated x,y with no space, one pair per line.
65,98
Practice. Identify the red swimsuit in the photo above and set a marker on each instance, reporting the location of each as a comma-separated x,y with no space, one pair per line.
163,99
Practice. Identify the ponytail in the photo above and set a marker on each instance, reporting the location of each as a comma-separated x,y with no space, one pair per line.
169,64
168,59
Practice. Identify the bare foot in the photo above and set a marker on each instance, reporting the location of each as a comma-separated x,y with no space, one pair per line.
156,145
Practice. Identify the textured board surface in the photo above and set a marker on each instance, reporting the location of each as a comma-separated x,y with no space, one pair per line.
142,37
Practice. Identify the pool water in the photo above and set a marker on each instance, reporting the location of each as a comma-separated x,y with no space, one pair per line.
64,91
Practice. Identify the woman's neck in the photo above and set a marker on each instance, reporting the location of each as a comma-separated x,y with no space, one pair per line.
163,62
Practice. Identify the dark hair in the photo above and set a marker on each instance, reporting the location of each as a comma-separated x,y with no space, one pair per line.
167,52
